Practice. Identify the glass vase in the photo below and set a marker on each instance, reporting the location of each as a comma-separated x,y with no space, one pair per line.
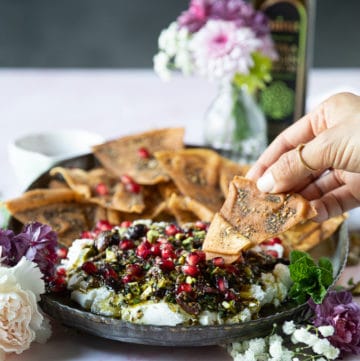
236,125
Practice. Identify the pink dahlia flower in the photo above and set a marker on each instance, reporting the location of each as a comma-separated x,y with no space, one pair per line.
220,49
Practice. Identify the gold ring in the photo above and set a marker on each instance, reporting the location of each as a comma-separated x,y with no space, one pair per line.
299,148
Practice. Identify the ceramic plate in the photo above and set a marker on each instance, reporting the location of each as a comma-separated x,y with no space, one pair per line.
70,314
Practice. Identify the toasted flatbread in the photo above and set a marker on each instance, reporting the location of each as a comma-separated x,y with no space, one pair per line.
224,239
67,219
186,204
259,216
228,170
85,183
41,197
121,156
196,173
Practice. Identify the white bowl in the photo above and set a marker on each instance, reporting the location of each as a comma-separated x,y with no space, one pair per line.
32,154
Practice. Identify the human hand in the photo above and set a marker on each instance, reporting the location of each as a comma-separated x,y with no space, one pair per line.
331,134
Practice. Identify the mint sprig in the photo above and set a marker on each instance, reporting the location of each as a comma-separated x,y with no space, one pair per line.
310,279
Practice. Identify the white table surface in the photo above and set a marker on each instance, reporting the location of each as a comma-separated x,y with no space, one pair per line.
114,103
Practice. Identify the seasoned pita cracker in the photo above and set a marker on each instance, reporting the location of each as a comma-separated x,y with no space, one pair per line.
177,206
187,204
228,170
296,234
227,259
116,196
329,226
196,173
224,239
67,219
41,197
133,155
260,216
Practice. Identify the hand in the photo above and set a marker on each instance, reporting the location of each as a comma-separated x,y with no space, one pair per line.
331,134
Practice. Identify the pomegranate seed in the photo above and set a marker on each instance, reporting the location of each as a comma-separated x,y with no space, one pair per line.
272,253
193,259
155,249
58,284
143,153
61,271
189,270
90,268
126,244
229,295
166,265
126,179
102,189
201,225
134,269
133,187
184,287
62,252
103,225
231,269
109,272
125,224
218,262
171,230
143,250
222,284
202,255
127,279
87,235
272,241
167,251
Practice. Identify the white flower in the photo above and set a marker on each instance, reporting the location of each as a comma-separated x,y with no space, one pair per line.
304,336
275,347
324,347
289,327
257,345
221,49
326,331
168,39
20,320
161,65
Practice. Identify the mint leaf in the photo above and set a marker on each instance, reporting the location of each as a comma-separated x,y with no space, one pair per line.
309,278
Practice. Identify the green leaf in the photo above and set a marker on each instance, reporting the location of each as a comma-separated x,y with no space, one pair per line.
309,278
258,76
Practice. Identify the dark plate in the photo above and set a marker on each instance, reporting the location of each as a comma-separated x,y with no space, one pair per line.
70,314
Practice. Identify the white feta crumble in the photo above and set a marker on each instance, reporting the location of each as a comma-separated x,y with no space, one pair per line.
77,253
151,313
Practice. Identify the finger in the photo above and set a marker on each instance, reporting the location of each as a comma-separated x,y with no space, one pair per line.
322,185
302,131
327,150
334,203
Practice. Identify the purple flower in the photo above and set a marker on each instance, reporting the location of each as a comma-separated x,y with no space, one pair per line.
196,16
37,242
241,13
339,310
6,238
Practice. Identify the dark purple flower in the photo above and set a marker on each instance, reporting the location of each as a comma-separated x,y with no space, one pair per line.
238,11
6,238
196,16
339,310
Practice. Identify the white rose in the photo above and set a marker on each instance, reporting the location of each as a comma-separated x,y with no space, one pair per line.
20,320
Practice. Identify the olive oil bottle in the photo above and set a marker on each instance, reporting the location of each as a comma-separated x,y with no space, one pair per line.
292,30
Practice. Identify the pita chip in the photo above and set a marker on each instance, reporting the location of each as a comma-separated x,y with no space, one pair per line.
196,173
134,155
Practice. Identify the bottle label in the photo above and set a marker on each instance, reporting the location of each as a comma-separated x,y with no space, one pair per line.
283,100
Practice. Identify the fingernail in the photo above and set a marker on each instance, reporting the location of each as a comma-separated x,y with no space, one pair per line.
250,173
266,183
322,213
